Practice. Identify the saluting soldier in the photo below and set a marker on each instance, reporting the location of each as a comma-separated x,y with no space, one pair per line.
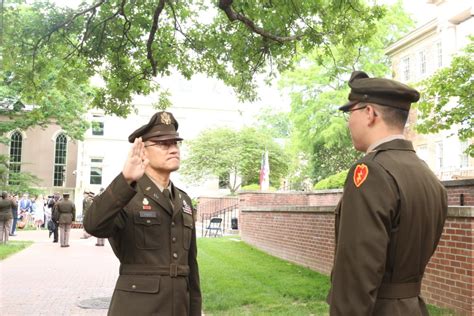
392,212
150,226
64,213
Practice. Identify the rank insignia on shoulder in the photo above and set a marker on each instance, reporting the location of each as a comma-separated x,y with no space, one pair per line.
360,174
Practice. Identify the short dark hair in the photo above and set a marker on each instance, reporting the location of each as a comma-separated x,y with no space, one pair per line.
394,117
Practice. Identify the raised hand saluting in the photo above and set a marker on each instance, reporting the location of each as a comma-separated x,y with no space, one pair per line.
136,162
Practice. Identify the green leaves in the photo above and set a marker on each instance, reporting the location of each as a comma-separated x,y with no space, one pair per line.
223,151
112,39
318,86
447,98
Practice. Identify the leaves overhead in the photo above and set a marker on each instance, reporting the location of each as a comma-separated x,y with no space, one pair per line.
129,44
318,86
447,98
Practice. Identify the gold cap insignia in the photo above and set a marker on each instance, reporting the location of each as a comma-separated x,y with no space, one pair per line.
165,118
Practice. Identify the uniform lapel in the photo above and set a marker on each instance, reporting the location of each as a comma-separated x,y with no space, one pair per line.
150,190
177,200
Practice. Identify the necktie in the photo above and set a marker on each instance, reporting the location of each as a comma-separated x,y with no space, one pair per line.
167,194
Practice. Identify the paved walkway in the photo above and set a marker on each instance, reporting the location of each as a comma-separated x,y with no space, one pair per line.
45,279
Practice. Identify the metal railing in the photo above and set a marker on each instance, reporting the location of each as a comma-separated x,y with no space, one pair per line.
229,215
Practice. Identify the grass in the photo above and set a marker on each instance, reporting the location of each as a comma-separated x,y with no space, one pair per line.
237,279
13,247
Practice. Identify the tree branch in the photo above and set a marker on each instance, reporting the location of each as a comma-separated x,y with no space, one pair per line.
151,37
226,6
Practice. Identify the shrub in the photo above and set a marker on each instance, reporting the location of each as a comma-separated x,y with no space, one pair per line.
336,181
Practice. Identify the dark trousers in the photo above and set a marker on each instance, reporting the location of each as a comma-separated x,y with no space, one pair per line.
55,233
15,219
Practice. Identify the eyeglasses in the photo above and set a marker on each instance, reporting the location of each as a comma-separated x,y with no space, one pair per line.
348,112
165,144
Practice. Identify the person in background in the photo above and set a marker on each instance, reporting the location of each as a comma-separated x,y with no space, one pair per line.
150,226
392,212
64,213
38,208
6,205
86,204
55,225
26,209
14,214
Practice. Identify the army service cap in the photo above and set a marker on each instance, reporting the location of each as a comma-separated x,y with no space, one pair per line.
162,126
380,91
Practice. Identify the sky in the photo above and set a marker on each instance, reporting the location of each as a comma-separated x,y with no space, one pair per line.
419,10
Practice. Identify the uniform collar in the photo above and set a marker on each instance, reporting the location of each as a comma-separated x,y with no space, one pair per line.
384,140
395,144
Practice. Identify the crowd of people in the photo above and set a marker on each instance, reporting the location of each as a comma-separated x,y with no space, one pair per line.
55,213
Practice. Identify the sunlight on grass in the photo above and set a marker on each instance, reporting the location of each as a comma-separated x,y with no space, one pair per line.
237,279
13,247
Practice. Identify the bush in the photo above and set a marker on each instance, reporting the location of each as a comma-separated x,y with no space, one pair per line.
336,181
254,187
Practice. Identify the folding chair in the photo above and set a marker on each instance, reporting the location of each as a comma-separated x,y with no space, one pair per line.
214,225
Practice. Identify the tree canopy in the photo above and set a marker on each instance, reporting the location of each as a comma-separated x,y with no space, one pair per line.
447,98
318,86
225,152
130,44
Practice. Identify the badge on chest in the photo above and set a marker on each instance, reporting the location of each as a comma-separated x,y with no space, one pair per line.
146,205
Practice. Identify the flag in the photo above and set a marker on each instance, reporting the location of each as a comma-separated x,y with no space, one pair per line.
264,172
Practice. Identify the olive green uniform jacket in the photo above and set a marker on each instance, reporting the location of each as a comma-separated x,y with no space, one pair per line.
387,228
64,212
156,246
6,206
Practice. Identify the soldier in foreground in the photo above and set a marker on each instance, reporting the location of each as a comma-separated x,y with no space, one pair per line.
392,212
150,226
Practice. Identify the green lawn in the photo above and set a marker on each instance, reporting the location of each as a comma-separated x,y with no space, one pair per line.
13,247
237,279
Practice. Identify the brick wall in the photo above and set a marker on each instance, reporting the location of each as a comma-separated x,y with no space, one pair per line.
449,279
304,234
456,188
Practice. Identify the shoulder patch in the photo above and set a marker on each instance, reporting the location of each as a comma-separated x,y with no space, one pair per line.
360,174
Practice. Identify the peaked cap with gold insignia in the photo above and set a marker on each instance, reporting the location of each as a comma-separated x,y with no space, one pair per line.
162,126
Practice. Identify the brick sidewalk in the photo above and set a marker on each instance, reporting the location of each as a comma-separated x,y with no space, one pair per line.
45,279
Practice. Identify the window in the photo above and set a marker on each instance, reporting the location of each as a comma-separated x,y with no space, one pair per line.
422,152
464,157
224,181
15,156
422,62
439,155
96,171
405,68
97,125
439,55
59,177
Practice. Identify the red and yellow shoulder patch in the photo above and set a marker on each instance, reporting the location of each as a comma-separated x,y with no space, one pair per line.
360,174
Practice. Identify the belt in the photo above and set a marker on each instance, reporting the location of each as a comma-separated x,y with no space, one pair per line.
173,270
399,290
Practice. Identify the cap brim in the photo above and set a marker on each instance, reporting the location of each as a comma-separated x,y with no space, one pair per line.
164,137
348,105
